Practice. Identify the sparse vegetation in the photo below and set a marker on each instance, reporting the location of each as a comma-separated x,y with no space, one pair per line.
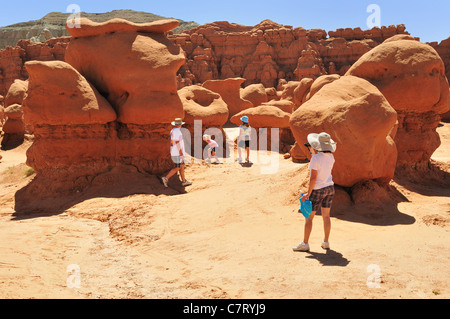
29,171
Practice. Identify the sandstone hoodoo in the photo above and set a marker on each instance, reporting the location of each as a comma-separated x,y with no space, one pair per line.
69,118
206,107
109,105
14,127
230,91
135,67
263,119
411,75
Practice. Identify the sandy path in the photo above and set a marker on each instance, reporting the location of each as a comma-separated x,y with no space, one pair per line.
230,236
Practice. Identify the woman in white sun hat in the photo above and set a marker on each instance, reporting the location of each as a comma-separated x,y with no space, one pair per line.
321,185
177,153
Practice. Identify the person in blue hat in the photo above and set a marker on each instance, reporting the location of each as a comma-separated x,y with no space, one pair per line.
244,139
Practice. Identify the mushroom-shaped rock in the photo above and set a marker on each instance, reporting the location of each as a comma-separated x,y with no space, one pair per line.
202,104
13,128
135,65
229,90
411,75
360,120
208,107
266,119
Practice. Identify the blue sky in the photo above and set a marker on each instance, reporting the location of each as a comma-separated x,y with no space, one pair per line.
428,19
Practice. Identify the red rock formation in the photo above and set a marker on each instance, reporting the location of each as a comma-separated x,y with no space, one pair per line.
319,83
259,54
80,133
443,48
14,127
411,76
16,93
70,119
119,64
263,118
269,51
2,111
12,60
230,91
206,107
360,120
255,93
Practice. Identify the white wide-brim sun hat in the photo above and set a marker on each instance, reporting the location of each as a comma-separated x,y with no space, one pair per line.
322,142
177,122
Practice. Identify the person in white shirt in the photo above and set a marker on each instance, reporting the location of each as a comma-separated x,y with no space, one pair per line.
177,153
212,145
321,185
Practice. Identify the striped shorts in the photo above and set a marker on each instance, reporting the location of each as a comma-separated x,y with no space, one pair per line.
322,197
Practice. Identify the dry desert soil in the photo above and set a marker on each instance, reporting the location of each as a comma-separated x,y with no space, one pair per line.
229,235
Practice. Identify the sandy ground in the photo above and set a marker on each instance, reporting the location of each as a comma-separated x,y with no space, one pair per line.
230,236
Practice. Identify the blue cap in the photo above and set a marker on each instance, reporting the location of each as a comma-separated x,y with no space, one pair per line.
244,119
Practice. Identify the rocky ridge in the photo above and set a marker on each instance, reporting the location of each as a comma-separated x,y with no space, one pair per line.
53,25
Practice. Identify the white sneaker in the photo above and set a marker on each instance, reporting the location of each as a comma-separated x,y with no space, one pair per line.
186,183
301,247
165,181
325,245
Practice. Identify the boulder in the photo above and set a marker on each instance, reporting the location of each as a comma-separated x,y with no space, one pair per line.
301,91
411,75
16,92
229,90
14,128
284,105
67,98
319,83
202,104
255,93
208,107
360,119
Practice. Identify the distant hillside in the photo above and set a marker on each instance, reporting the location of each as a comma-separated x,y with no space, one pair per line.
52,25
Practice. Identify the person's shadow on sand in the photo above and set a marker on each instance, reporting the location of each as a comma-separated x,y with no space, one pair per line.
246,164
330,258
